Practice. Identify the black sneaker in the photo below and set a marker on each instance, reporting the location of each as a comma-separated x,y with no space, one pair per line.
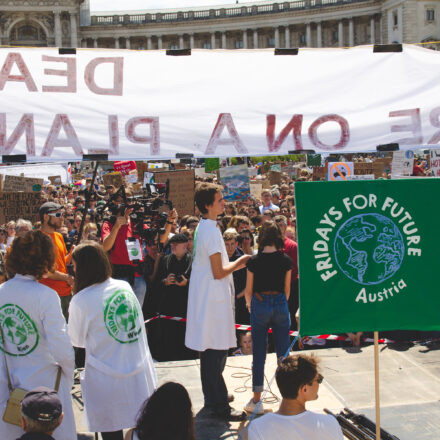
233,415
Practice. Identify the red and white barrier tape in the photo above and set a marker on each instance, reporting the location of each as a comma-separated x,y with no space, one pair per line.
291,333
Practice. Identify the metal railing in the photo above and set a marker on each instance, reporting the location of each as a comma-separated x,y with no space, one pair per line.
206,14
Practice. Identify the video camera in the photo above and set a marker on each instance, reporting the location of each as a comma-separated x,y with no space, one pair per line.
147,218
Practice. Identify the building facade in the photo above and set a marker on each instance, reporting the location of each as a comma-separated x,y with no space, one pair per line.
288,24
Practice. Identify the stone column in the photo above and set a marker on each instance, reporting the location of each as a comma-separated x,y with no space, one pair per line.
159,42
213,40
245,42
340,34
277,37
117,42
73,30
223,40
372,30
287,37
318,34
95,42
127,43
149,43
255,39
180,41
350,32
191,41
308,35
58,38
84,43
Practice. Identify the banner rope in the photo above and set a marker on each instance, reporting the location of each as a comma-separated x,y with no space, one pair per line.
291,333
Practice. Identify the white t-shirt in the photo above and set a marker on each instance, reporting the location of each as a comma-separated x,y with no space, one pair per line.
271,206
210,316
305,426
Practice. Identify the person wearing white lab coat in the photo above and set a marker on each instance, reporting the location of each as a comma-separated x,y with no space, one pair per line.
106,319
210,317
35,340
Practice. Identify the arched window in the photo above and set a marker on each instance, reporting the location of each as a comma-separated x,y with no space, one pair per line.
27,34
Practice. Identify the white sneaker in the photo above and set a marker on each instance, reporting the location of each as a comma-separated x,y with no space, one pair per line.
250,407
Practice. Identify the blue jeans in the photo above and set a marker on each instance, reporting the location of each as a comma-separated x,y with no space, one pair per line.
139,287
271,312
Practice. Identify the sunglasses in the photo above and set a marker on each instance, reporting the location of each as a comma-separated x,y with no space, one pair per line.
56,214
320,378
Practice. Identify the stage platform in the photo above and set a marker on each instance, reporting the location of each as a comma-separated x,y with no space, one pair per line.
409,388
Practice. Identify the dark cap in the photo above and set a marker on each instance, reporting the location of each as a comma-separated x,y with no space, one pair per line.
42,404
47,207
178,238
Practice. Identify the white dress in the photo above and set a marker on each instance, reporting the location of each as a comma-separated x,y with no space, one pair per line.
37,342
106,319
210,316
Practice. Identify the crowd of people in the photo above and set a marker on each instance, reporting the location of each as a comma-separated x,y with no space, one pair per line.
78,278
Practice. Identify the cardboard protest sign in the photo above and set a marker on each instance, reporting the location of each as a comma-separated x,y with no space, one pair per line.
368,255
14,205
382,166
114,179
181,189
55,180
275,177
20,183
212,164
235,181
340,170
434,156
363,168
403,162
319,173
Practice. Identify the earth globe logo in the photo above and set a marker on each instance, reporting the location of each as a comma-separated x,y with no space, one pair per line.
369,248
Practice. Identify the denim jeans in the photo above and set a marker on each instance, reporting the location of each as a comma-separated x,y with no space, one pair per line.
271,312
139,287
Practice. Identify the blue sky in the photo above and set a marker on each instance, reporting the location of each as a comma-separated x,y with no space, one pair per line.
114,5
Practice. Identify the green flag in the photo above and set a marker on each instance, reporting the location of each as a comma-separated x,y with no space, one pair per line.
368,255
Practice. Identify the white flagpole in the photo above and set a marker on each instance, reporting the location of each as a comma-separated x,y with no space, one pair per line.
376,383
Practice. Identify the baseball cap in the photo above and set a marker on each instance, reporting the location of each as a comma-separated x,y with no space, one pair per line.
47,207
178,238
42,404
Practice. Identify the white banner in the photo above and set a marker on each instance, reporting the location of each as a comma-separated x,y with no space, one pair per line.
42,171
145,104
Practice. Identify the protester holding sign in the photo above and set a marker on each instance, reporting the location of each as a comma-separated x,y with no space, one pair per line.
106,319
33,335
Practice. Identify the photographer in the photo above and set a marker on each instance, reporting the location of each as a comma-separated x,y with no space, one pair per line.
171,295
120,237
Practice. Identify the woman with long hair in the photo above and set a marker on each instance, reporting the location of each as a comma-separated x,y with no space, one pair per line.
33,338
106,319
267,292
153,422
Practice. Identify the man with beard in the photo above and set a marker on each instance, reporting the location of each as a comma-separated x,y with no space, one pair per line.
51,217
